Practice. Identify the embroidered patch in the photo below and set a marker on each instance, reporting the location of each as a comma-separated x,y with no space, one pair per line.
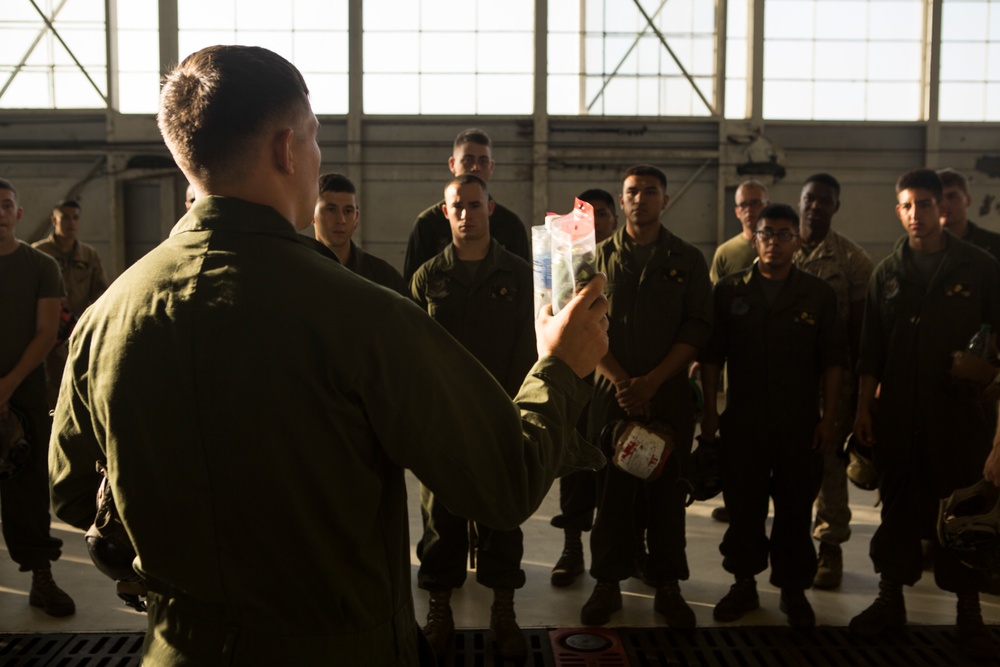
674,275
958,289
502,292
739,306
437,287
804,317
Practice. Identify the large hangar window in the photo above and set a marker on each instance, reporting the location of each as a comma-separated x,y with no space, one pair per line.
970,60
843,59
631,57
448,57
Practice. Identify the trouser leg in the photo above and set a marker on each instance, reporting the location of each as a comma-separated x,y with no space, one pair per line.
833,508
24,498
746,474
443,549
577,499
613,537
665,525
794,483
498,564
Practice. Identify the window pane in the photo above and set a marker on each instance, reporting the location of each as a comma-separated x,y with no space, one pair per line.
642,76
494,97
138,92
963,62
841,20
845,49
469,56
788,60
392,94
328,93
788,100
788,19
840,61
50,78
889,101
962,101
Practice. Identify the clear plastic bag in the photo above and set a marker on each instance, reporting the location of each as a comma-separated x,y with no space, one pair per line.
572,248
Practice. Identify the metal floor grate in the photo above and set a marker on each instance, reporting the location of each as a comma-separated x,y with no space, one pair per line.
743,646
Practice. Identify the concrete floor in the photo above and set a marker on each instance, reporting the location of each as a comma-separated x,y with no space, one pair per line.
538,604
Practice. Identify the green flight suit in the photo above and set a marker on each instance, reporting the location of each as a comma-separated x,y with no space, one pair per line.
492,315
650,310
932,435
256,440
777,354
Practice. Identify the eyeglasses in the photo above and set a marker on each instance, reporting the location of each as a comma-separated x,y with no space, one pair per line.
753,203
768,234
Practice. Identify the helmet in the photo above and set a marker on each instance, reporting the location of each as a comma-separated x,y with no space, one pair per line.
110,547
14,447
969,523
640,448
860,466
706,473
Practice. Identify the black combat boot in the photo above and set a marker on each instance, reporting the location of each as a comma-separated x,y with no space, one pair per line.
604,601
888,611
741,598
45,594
440,628
503,626
670,603
570,564
972,634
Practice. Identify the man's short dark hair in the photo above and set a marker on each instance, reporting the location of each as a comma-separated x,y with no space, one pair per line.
921,179
951,177
68,203
779,212
825,179
7,185
334,182
595,195
472,136
220,97
467,179
647,170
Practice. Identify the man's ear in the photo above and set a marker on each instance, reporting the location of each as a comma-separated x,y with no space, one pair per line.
284,159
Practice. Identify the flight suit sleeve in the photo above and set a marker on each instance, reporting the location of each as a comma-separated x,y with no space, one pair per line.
439,412
697,324
418,289
74,449
833,333
871,357
715,351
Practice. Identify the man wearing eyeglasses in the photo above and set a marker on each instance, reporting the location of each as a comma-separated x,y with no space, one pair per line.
739,252
778,329
472,154
843,264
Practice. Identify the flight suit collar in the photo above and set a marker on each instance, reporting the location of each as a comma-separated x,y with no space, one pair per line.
665,245
786,296
229,214
453,266
954,257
